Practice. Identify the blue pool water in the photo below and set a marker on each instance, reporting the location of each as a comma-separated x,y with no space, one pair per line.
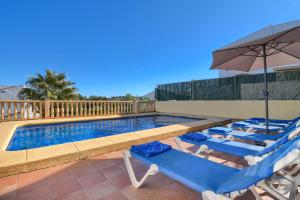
29,137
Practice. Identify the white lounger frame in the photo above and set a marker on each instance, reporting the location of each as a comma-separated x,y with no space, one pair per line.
252,160
153,169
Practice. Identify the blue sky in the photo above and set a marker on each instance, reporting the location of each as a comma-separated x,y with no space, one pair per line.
112,47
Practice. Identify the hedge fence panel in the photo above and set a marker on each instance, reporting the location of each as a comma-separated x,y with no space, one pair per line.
282,86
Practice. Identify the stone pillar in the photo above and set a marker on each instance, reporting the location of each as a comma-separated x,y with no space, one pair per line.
135,106
47,108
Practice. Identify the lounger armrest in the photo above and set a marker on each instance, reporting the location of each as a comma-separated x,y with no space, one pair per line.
135,182
288,159
252,160
210,195
269,142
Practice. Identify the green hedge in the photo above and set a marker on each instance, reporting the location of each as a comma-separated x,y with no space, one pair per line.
229,88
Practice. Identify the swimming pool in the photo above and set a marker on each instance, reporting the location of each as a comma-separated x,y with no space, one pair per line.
29,137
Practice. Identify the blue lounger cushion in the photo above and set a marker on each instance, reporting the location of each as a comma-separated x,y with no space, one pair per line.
241,124
189,170
150,149
196,136
282,125
264,127
196,172
259,127
244,134
238,149
262,120
220,130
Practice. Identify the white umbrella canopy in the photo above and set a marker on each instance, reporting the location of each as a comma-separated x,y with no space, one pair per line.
269,47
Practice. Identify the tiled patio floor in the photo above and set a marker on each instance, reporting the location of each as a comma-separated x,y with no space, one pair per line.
103,177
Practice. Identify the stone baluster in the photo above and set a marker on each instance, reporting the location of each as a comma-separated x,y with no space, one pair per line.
57,110
93,108
104,108
22,110
85,109
52,109
67,109
62,109
100,108
8,110
118,107
2,111
15,110
72,109
76,108
34,110
41,109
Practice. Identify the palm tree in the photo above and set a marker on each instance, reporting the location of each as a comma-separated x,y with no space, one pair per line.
52,86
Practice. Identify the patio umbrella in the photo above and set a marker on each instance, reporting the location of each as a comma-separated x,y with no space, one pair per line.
269,47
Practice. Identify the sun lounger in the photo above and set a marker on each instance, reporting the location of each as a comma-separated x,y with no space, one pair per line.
255,127
251,153
230,134
272,121
213,180
259,124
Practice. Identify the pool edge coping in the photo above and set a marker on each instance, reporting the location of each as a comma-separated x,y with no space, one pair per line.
15,162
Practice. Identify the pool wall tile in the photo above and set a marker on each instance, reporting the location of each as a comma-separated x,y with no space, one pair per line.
124,141
12,162
93,147
51,155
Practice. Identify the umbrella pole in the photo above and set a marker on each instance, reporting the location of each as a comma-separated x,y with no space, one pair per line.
266,93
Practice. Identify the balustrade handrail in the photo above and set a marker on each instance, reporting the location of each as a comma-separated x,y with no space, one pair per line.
37,109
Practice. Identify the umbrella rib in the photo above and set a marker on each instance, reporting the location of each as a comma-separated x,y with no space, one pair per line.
281,42
286,53
277,49
286,32
254,49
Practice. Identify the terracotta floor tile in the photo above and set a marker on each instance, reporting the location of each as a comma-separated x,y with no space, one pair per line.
58,169
159,181
34,193
197,196
77,195
83,168
90,179
104,177
120,181
30,180
67,187
177,191
8,192
114,196
9,180
99,190
111,172
60,178
114,155
142,193
36,186
103,163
